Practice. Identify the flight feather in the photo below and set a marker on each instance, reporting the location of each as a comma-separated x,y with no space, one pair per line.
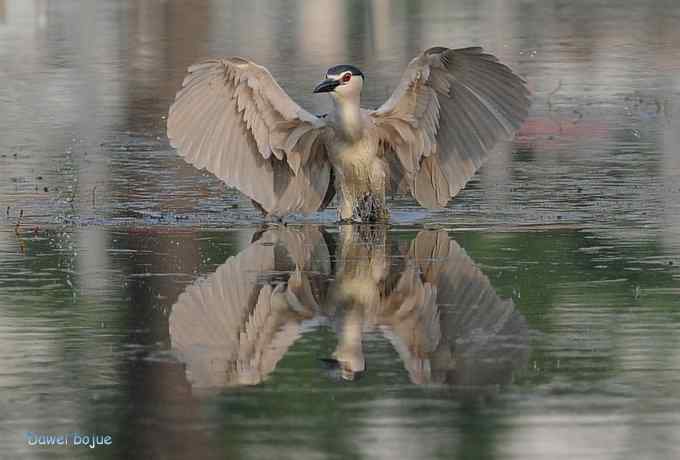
232,118
450,109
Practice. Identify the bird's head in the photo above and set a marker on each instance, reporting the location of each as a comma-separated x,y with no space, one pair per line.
343,370
342,80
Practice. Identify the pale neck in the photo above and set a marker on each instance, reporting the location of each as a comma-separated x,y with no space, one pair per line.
349,348
348,115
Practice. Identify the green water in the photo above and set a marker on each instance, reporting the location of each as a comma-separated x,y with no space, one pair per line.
587,349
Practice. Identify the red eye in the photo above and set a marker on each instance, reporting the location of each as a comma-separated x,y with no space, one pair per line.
346,77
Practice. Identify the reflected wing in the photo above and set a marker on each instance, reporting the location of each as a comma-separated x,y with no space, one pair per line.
233,119
414,329
411,312
233,327
450,109
460,330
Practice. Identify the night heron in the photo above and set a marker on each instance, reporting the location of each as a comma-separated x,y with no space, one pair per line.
451,108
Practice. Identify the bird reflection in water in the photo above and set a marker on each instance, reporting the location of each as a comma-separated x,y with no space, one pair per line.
426,296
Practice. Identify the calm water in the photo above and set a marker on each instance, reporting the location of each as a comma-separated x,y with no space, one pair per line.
537,317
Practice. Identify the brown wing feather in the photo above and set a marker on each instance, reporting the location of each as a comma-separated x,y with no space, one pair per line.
451,108
233,119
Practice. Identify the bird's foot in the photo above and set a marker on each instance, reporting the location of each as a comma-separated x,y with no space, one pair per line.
366,209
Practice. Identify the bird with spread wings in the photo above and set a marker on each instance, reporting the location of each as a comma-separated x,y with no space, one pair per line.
451,108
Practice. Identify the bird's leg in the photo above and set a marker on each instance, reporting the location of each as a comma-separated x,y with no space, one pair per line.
369,208
362,194
267,217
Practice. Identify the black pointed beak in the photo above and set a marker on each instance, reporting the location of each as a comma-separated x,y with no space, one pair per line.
336,371
330,363
326,86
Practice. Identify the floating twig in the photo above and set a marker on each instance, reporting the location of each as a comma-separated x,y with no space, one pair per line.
21,216
552,93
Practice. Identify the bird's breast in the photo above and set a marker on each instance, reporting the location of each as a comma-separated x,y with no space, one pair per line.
360,178
352,153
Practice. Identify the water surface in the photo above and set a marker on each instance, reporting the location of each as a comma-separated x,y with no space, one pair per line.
536,317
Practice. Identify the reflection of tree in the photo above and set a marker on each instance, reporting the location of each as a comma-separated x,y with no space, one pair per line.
162,39
159,400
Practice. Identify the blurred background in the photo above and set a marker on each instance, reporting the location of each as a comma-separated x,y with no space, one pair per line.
102,227
86,87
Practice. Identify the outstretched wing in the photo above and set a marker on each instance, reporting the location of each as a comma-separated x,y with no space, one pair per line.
233,119
450,109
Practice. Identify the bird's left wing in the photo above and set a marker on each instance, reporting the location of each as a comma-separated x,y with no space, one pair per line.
450,109
233,119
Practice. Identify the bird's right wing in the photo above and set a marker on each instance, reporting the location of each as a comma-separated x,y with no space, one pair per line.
233,119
